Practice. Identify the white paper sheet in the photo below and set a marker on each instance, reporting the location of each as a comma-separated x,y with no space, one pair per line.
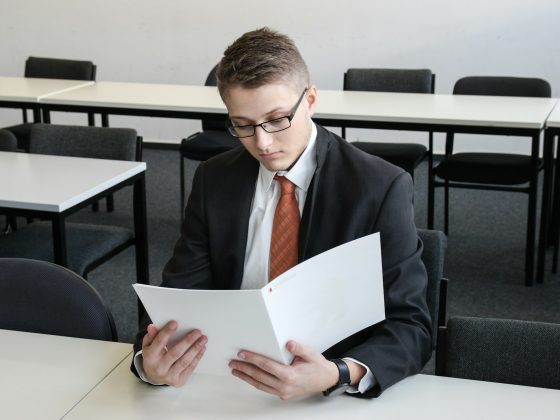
317,303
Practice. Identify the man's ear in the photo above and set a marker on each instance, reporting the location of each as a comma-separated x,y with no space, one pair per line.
311,99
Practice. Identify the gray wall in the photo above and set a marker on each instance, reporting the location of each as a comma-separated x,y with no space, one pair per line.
174,41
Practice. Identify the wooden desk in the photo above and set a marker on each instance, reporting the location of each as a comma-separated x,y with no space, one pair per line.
44,376
25,92
121,396
54,187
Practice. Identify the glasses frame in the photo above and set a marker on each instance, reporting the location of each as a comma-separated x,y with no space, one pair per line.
231,128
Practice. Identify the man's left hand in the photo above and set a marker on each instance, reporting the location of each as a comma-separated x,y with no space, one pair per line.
309,372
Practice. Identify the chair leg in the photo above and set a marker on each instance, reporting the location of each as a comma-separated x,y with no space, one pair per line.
532,213
554,225
446,208
431,187
530,242
110,203
182,183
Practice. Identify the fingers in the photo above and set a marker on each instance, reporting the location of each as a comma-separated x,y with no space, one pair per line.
172,365
263,363
257,374
187,356
259,385
181,347
156,344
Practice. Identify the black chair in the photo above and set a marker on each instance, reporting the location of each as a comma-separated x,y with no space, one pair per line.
405,155
493,171
211,141
433,256
8,143
51,68
88,245
41,297
500,350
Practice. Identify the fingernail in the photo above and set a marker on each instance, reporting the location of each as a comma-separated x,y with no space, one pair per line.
241,355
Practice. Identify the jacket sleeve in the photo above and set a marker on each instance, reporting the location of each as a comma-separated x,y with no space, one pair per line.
400,345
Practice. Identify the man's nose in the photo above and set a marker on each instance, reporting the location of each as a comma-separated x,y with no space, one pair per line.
263,139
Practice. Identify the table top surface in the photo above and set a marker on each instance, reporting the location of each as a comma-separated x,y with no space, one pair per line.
44,376
27,89
161,97
437,109
56,183
123,396
554,117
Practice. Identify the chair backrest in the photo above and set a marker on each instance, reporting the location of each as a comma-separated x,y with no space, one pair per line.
41,297
84,141
497,86
8,142
500,350
433,256
56,68
214,125
502,86
390,80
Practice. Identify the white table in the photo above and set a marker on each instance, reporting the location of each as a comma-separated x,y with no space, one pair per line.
121,396
551,199
26,92
516,116
44,376
54,187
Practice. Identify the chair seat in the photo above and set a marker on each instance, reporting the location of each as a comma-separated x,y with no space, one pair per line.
486,168
85,243
22,133
206,144
405,155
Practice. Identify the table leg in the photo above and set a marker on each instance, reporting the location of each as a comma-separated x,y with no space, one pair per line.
59,240
141,236
548,151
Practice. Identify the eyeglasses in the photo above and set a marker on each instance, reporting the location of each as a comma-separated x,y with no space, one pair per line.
272,126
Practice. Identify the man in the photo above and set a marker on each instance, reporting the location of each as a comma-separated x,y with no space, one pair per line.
229,241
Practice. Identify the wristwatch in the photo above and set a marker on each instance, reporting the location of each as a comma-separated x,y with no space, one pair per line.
343,379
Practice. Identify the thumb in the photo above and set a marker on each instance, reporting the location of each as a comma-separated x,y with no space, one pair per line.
299,350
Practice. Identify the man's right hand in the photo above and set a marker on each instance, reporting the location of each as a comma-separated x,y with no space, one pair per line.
175,365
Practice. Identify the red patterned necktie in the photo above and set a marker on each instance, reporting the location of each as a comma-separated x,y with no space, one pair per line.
285,230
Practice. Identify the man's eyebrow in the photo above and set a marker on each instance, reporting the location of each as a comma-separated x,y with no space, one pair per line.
248,119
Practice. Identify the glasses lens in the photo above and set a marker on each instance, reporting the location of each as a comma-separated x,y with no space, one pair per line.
278,124
242,131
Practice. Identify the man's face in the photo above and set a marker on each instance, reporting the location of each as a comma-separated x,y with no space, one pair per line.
280,150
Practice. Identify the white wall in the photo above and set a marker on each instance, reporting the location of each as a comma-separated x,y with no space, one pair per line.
174,41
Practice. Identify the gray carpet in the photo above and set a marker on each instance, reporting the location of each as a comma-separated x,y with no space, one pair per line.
484,264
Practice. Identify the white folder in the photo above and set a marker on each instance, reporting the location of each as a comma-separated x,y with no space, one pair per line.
317,303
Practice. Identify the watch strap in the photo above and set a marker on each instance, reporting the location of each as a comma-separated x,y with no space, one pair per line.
343,377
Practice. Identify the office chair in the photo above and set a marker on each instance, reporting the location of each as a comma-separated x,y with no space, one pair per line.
500,350
492,171
433,256
41,297
211,141
405,155
8,143
88,245
51,68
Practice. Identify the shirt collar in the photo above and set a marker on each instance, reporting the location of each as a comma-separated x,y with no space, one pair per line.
302,172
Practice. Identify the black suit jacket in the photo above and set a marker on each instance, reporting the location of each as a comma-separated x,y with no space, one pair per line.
352,194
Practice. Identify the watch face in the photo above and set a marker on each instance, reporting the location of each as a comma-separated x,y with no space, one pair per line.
338,390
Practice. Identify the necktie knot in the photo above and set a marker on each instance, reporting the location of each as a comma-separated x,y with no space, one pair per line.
286,186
